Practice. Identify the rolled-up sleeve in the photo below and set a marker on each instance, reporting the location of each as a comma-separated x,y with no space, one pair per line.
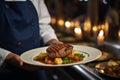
46,30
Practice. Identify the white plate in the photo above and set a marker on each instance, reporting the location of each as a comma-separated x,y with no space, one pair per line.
90,53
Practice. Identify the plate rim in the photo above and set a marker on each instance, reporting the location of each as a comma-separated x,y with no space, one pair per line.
49,65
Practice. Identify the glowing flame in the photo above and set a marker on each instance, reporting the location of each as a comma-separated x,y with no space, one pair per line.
101,33
77,30
67,24
60,22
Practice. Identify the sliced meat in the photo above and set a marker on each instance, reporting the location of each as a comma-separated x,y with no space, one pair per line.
59,50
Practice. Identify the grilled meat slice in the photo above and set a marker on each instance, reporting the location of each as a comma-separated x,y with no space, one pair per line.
59,50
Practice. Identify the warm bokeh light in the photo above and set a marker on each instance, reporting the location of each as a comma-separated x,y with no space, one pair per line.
100,38
53,20
60,22
119,35
87,26
72,24
77,24
78,32
106,29
102,26
101,33
67,24
94,28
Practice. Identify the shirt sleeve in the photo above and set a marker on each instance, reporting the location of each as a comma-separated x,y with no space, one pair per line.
46,30
3,54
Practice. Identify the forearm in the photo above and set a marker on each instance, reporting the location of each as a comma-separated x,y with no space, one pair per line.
46,30
47,33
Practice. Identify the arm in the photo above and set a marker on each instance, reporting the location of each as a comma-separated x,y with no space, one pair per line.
9,57
46,31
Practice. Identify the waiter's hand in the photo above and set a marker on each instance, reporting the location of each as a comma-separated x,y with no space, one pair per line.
53,42
14,59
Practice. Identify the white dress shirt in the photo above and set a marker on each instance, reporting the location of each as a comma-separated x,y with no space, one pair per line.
46,31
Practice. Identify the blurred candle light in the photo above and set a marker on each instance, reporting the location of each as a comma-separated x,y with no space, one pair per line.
102,26
94,32
76,23
60,23
87,27
67,25
100,38
72,24
119,35
53,20
78,33
106,29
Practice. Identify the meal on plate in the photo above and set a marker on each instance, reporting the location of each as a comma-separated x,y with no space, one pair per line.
59,54
112,68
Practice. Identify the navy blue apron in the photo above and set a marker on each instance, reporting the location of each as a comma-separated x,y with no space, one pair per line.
19,32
